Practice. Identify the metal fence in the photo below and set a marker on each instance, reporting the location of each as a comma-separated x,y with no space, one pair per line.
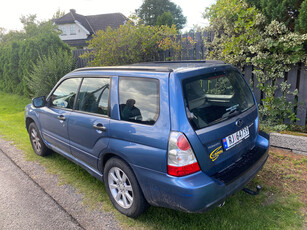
297,76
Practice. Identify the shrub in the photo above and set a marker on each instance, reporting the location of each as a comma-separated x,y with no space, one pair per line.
242,38
130,44
48,70
20,50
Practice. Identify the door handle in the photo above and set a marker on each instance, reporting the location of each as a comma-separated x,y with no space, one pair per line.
61,117
99,127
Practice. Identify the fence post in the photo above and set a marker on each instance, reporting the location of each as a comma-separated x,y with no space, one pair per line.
256,90
191,48
184,47
206,38
292,79
302,97
248,73
198,49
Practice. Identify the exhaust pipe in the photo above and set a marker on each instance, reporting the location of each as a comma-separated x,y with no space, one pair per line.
251,192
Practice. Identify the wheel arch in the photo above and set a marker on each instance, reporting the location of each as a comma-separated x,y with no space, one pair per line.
29,120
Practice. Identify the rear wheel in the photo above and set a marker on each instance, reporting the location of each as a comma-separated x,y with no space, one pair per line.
38,145
123,188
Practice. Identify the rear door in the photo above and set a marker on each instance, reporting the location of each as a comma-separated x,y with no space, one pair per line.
221,109
89,122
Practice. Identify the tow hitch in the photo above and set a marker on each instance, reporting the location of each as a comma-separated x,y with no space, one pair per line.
251,192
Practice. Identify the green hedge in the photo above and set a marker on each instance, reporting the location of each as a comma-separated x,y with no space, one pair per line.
19,54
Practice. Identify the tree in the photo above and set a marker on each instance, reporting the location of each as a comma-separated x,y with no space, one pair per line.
20,50
2,34
286,11
165,19
58,14
301,24
151,10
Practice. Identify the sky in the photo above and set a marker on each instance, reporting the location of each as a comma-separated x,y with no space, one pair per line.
12,10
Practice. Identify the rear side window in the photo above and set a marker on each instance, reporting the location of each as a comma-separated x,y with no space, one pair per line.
94,96
216,97
64,95
139,100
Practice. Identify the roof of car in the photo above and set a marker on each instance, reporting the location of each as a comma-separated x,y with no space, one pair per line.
167,66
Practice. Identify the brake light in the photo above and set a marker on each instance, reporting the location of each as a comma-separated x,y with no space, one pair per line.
181,158
182,143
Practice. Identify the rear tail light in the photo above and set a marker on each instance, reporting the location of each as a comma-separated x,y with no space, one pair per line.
181,158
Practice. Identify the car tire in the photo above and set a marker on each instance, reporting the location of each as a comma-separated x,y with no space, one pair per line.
123,189
38,144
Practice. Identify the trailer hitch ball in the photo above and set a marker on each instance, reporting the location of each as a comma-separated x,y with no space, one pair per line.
251,192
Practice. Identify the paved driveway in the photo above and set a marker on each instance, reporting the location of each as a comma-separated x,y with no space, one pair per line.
24,205
31,198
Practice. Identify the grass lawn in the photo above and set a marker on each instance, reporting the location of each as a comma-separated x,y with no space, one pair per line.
282,203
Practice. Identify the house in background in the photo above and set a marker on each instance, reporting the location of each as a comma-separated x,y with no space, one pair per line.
78,29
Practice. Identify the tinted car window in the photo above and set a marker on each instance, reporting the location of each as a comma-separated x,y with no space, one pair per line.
139,100
65,93
94,95
215,97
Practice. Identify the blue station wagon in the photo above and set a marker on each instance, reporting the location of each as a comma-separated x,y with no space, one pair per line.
181,135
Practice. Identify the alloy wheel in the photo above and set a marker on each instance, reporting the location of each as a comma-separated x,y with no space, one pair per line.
36,140
120,187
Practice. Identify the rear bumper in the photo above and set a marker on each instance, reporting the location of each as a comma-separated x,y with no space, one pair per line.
197,192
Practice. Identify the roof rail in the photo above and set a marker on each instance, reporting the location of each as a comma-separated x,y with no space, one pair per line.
135,68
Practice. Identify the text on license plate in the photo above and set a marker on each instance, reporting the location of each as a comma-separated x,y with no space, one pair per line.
235,138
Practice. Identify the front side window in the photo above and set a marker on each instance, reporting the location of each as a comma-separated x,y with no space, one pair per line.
65,93
94,96
139,100
215,97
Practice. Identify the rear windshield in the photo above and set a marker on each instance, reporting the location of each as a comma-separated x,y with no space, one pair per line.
215,97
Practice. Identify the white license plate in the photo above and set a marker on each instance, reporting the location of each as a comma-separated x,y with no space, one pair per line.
235,138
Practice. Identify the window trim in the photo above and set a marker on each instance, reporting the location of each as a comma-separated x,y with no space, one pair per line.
142,79
50,105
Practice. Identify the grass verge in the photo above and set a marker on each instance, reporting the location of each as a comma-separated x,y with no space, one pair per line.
281,204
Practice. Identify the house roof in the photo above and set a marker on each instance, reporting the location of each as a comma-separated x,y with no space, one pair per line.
102,21
93,23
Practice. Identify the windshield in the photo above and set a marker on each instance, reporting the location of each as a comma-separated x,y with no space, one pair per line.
215,97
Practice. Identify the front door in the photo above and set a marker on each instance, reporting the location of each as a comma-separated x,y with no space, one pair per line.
54,118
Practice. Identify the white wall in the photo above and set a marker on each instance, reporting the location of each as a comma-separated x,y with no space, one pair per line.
77,33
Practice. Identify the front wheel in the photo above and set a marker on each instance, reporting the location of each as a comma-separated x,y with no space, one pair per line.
38,144
123,188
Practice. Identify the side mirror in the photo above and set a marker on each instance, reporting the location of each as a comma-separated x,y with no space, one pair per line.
39,102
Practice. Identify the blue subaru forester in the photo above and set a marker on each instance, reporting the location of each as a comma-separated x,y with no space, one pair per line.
182,135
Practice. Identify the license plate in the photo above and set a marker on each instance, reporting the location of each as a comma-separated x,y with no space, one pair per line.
235,138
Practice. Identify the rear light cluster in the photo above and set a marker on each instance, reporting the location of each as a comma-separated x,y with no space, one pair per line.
181,158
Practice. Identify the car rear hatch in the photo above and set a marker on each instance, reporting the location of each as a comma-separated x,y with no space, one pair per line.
221,109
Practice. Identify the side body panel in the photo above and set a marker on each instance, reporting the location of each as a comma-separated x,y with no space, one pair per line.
140,144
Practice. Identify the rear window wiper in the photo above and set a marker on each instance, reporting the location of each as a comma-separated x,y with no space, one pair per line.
232,113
